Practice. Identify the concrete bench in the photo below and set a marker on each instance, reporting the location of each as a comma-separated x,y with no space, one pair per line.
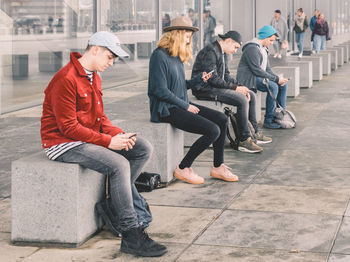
317,65
292,72
346,48
53,203
305,72
168,143
340,54
334,58
326,69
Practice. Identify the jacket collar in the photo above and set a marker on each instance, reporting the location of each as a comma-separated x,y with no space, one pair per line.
74,56
217,46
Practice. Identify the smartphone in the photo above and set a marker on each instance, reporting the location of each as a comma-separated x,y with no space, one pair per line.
133,135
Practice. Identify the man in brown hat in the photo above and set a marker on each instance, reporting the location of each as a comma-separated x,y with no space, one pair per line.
224,88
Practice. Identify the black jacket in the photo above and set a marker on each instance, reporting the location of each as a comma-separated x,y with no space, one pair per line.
249,66
208,59
321,29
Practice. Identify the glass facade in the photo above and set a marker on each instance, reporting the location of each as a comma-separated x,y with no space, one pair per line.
37,36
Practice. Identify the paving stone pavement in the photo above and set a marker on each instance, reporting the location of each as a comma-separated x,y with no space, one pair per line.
291,203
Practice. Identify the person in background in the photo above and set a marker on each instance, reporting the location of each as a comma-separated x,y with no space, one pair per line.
169,103
300,26
209,28
279,23
312,26
194,18
320,33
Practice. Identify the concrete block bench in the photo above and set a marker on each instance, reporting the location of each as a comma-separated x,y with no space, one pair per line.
167,141
326,56
346,52
340,54
305,72
53,203
317,65
292,72
334,58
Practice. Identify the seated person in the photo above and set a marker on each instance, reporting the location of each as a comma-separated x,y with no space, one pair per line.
224,88
254,66
75,129
167,91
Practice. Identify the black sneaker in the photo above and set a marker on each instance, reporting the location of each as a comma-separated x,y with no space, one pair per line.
103,208
137,242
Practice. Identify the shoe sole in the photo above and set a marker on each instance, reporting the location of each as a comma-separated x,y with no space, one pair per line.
246,150
187,180
108,222
138,253
269,127
261,142
223,178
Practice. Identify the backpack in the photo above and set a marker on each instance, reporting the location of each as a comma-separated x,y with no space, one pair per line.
233,129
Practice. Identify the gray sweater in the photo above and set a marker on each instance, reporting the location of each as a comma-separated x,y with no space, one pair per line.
250,65
281,28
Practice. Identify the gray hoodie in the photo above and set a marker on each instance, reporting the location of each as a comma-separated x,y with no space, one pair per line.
254,63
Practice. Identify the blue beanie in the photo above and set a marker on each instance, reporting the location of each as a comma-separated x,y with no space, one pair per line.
266,31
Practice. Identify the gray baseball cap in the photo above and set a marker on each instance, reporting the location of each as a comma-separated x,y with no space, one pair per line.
108,40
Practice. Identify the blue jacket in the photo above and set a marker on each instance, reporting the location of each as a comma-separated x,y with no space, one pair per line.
167,86
313,22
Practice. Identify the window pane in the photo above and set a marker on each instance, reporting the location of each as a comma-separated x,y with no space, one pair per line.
134,22
36,39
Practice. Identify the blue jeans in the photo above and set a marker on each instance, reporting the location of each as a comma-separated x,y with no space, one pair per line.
280,92
320,42
123,167
299,37
245,108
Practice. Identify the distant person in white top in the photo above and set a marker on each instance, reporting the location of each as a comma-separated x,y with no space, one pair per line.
280,25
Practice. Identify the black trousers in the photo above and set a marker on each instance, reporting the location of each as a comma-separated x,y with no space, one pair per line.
209,123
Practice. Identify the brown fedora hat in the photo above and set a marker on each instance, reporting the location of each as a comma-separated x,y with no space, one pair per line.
181,23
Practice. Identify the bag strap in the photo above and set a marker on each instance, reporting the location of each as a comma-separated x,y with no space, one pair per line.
266,83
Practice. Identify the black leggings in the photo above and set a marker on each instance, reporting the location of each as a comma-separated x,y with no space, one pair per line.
210,123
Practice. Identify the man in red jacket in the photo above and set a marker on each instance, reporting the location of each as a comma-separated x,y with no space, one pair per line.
74,129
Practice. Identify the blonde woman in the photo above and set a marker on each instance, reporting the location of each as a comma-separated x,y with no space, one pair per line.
167,91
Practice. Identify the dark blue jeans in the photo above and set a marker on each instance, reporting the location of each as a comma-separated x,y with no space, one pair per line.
123,167
245,108
280,92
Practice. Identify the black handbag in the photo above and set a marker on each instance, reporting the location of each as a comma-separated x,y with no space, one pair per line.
146,182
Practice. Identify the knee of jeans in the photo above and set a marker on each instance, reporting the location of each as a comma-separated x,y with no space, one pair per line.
213,132
120,167
144,146
273,87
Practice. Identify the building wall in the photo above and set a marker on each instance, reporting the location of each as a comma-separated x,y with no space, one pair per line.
37,36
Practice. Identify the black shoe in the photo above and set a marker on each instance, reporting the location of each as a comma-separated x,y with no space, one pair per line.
137,242
103,208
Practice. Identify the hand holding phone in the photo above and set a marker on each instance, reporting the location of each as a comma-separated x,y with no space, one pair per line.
133,135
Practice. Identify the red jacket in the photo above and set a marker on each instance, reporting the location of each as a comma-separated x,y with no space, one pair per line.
73,109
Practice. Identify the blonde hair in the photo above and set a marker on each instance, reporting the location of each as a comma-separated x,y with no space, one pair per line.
174,42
